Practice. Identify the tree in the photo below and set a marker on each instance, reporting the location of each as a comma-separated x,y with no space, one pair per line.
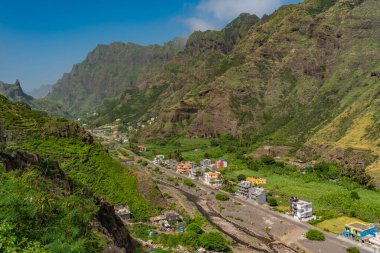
272,202
315,235
353,250
178,155
241,177
355,195
206,156
268,160
213,241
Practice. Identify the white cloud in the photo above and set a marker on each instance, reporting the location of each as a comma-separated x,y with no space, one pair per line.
198,24
216,13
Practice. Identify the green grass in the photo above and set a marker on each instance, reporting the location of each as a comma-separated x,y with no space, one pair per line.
86,163
330,199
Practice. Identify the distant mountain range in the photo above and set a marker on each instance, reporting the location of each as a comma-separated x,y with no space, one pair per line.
307,76
41,92
15,93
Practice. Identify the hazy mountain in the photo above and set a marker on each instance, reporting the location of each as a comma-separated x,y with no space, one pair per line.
41,92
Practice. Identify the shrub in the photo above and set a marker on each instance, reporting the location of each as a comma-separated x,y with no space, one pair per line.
144,163
315,235
268,160
353,250
188,182
222,197
194,228
272,202
213,241
241,177
355,195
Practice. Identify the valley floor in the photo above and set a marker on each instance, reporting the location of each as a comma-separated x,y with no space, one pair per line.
251,227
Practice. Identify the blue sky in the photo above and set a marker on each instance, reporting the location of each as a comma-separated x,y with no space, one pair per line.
40,40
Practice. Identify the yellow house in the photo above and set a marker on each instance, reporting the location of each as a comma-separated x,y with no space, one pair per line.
257,180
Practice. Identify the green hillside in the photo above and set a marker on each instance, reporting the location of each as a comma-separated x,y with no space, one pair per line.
85,161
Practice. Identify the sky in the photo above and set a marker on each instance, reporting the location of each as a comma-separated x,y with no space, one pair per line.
41,39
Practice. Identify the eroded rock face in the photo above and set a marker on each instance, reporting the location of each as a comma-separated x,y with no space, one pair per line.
114,228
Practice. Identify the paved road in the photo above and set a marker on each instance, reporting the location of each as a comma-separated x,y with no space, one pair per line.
333,243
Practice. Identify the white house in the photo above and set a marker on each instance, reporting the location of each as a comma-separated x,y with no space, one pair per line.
301,209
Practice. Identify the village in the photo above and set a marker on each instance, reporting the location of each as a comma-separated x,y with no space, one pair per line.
250,189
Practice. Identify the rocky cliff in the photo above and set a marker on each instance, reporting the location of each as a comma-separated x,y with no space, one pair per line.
108,71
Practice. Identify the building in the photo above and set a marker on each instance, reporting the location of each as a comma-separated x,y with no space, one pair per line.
360,231
301,209
141,148
159,159
123,212
221,164
196,172
256,180
214,179
206,162
259,194
183,168
248,190
243,188
171,164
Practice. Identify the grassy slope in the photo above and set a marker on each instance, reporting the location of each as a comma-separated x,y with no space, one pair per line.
38,215
88,164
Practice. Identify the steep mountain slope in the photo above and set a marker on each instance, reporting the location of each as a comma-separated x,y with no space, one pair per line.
307,76
204,57
42,210
108,71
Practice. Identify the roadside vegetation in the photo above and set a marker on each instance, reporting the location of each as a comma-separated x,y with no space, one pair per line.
192,238
315,235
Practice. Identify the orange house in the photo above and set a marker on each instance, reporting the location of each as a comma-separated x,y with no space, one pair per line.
183,168
141,148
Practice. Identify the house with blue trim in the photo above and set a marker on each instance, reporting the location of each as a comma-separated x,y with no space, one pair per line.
360,231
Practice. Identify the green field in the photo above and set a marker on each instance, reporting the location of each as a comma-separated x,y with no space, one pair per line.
330,199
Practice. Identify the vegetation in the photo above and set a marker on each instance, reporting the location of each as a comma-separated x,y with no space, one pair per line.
188,182
222,197
353,250
272,202
51,220
315,235
213,241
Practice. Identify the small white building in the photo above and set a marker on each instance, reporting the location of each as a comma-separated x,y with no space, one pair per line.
159,159
206,162
301,210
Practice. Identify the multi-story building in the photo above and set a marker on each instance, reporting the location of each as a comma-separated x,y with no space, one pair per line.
258,194
221,164
301,210
243,188
206,162
214,179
